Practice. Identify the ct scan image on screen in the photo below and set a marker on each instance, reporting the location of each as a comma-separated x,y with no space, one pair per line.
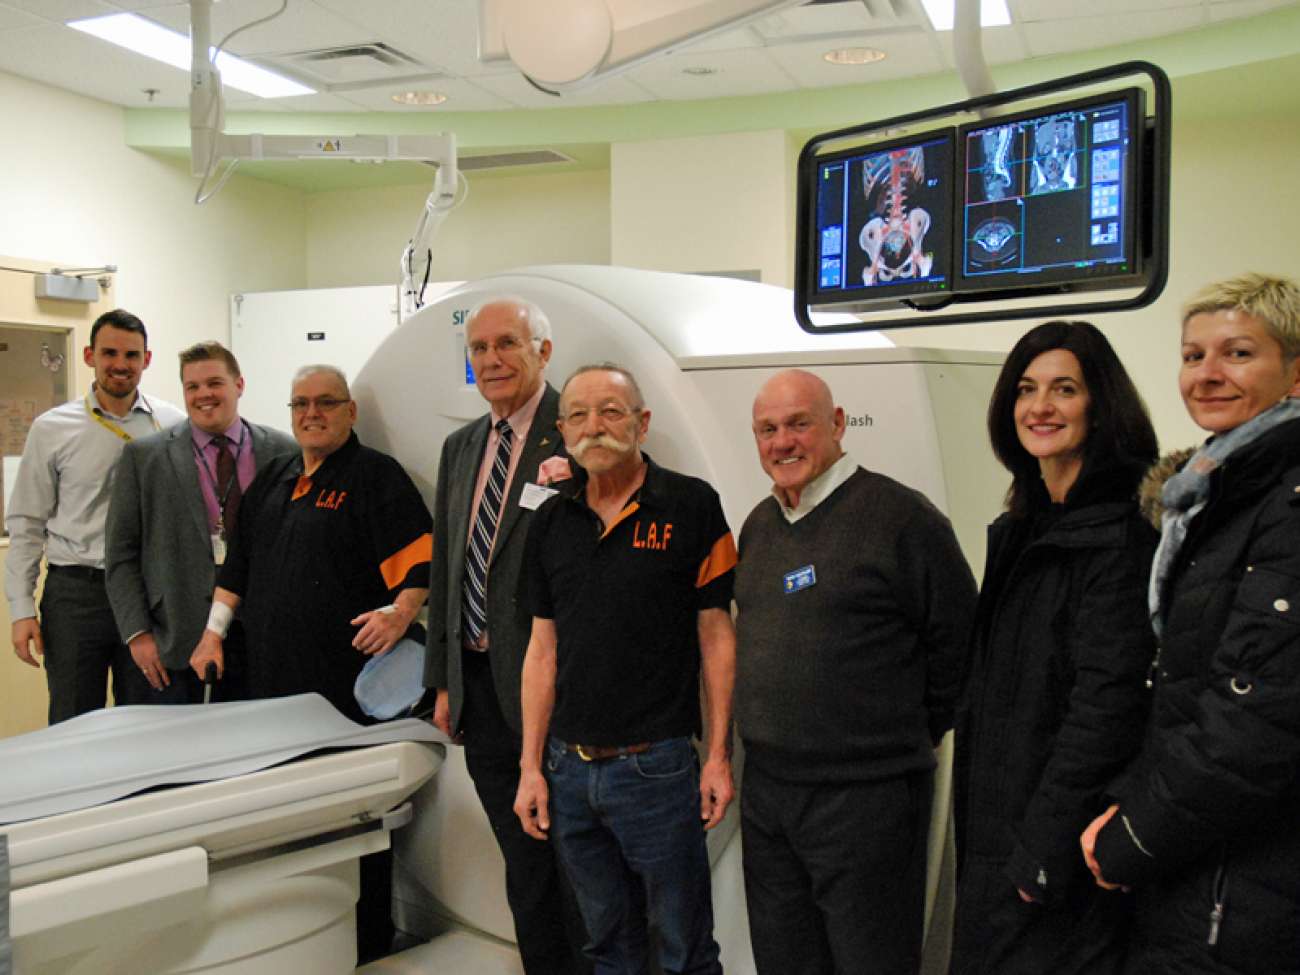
884,220
1048,196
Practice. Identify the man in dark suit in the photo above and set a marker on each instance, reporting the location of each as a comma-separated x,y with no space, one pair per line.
489,483
175,500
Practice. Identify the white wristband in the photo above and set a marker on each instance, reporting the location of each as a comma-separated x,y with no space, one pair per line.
219,618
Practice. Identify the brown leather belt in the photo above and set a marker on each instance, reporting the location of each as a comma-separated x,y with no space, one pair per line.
601,753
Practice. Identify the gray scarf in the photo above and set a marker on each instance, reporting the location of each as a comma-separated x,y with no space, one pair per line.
1187,491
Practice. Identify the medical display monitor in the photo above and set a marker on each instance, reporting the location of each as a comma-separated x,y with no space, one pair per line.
883,228
1049,198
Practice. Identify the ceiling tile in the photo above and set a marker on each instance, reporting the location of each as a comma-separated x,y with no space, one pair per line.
742,38
462,96
320,102
906,55
11,19
302,27
1220,10
61,11
1002,45
439,32
67,59
738,73
1031,10
831,18
514,89
1083,33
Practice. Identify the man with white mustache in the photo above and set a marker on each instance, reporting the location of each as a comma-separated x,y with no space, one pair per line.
627,576
855,607
58,510
174,508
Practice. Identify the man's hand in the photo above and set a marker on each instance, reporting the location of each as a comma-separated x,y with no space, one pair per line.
1026,897
26,634
208,652
1088,841
144,651
531,804
380,630
716,791
442,714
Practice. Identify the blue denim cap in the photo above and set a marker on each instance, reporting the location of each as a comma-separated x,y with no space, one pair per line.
392,684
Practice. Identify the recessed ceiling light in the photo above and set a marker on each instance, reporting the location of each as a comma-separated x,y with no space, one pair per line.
699,71
854,55
157,42
993,13
419,98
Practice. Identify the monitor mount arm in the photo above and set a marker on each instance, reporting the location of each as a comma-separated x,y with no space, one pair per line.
210,144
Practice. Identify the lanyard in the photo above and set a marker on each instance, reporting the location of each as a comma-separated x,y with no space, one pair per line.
109,425
202,452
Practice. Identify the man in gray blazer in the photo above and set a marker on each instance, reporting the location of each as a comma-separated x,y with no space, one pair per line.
175,498
490,479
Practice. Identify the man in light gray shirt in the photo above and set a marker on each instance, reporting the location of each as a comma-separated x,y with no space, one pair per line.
58,508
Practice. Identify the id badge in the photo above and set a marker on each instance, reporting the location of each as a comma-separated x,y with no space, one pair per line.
218,549
799,579
533,495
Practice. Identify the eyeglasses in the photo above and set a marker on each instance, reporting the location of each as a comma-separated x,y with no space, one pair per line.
326,404
506,345
606,414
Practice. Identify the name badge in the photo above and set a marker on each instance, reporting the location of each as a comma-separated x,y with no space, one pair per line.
218,549
532,496
800,579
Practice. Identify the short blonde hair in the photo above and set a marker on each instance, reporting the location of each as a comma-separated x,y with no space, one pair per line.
1274,301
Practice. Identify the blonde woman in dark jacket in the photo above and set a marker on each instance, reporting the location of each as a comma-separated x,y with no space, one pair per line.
1056,697
1206,827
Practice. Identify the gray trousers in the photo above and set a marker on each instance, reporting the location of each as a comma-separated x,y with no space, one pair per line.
81,642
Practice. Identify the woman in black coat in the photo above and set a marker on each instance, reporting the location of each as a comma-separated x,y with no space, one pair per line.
1206,829
1056,697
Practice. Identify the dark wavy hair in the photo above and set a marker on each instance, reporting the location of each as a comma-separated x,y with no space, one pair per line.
122,319
1120,432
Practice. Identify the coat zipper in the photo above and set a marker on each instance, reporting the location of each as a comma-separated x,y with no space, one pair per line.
1218,892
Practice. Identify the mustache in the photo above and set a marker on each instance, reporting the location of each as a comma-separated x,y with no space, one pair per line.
608,441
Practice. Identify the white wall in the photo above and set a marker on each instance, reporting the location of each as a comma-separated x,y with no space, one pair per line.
707,203
71,191
357,236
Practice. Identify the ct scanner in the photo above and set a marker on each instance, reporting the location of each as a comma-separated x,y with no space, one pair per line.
251,871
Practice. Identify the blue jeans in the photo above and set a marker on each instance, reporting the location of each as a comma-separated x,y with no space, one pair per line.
629,834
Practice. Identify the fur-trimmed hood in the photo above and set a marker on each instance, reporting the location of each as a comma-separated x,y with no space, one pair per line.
1153,483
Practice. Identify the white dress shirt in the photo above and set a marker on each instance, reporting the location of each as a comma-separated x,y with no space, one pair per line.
818,489
60,497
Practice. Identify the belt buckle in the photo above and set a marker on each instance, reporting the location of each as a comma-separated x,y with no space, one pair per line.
582,753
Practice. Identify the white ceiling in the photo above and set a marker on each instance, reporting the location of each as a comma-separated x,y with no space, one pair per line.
782,52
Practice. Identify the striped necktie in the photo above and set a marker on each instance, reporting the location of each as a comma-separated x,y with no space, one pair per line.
479,551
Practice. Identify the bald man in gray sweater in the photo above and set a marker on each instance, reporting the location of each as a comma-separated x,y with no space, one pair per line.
855,607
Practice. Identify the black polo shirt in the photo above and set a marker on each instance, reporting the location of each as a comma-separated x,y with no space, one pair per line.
625,599
312,553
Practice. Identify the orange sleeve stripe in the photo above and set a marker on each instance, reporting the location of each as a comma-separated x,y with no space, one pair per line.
301,488
720,560
394,569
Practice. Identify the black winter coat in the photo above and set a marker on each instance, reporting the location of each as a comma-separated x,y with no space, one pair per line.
1209,824
1053,711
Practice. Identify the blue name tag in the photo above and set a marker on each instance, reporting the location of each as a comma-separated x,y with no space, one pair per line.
800,579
